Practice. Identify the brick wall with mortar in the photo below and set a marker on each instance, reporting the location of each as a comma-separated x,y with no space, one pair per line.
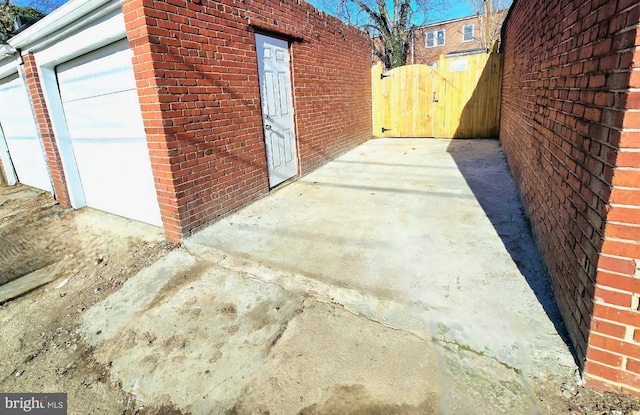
197,78
570,128
45,129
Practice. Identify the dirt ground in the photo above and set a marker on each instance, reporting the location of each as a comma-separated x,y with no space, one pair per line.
41,351
92,255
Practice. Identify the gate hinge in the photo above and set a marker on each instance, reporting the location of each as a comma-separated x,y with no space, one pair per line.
382,76
384,130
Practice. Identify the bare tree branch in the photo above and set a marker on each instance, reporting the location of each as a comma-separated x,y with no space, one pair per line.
491,14
45,6
32,9
389,22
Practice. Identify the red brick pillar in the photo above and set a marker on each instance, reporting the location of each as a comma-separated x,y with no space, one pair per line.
161,139
613,351
54,162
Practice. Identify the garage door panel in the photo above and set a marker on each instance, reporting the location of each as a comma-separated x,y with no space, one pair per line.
98,73
30,169
104,121
15,110
21,134
126,164
105,116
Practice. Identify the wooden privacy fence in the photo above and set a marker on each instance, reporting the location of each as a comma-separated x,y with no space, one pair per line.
456,98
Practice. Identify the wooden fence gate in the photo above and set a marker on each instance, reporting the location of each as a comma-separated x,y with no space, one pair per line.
459,97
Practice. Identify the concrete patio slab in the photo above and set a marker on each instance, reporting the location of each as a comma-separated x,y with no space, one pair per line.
399,278
434,225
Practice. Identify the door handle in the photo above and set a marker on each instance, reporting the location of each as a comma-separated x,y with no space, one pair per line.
267,127
435,99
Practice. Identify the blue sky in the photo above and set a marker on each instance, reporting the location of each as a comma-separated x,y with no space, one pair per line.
455,9
53,4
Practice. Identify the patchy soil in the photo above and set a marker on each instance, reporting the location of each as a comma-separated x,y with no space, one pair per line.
92,255
26,227
581,401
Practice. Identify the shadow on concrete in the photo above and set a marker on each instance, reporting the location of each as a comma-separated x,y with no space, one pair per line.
394,190
375,163
500,201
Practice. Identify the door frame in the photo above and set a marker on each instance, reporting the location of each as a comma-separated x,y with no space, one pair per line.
9,172
108,29
7,163
259,64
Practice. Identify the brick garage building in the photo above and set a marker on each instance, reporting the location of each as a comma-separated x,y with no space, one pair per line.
570,128
210,148
195,64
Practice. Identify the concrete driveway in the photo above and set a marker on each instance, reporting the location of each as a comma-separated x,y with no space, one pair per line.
399,278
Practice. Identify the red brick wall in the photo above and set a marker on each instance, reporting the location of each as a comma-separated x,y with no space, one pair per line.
567,67
196,69
54,163
613,354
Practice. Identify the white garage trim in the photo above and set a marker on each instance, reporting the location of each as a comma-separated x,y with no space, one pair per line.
105,30
7,164
97,149
102,31
65,20
63,141
100,101
8,66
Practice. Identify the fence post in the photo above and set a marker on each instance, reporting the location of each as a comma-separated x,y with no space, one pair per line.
376,99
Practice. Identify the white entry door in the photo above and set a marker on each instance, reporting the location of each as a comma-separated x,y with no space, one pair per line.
277,108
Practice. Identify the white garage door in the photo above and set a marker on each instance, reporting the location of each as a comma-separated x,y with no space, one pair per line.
100,103
21,135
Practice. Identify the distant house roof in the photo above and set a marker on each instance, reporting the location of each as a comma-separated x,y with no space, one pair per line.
444,22
458,19
467,52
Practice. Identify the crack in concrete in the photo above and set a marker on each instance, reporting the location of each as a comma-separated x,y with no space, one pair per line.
307,294
245,273
216,386
325,298
448,345
251,276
